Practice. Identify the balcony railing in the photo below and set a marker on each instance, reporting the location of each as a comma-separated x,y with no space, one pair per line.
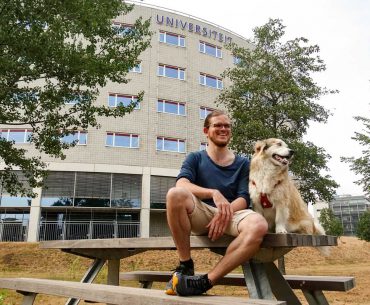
13,231
68,230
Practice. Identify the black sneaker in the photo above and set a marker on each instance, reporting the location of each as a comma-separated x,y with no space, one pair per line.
186,285
181,269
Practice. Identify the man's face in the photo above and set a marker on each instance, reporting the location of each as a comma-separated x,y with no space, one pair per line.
219,131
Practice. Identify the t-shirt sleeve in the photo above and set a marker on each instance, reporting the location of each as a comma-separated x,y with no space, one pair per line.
189,168
243,189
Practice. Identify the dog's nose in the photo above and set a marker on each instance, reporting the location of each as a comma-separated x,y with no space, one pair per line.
291,152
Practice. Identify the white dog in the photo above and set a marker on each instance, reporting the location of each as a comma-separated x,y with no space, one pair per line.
273,192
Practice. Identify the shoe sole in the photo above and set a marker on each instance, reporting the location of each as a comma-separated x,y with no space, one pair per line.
172,290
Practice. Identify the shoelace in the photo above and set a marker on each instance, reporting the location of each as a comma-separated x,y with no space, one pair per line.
199,283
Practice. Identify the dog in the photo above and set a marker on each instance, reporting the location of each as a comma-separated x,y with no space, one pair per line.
273,192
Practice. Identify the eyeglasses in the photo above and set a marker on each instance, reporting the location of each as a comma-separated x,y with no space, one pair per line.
220,125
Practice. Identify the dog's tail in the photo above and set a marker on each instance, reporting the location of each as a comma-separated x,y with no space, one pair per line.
319,230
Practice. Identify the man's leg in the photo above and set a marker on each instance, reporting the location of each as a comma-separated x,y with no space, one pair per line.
252,229
180,204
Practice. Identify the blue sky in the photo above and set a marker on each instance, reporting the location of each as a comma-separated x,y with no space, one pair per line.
342,30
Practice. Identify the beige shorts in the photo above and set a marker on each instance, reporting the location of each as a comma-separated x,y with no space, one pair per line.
203,214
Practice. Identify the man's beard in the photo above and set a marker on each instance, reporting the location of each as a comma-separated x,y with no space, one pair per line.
219,143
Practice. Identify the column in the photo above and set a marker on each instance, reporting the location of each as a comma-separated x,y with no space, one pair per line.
145,203
35,214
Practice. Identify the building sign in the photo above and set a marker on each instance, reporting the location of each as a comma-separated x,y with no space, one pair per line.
193,28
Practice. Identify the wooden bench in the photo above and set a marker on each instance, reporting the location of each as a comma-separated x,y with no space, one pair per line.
311,286
100,293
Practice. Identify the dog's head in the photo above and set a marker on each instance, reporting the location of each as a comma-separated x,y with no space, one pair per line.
276,150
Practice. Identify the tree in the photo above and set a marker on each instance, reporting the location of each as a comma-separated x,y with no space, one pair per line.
361,165
55,53
273,95
363,226
330,223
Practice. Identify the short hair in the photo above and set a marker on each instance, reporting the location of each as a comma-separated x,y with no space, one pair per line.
211,115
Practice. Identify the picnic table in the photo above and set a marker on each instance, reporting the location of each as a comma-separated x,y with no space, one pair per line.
263,279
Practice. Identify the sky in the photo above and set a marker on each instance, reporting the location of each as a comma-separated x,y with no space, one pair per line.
341,28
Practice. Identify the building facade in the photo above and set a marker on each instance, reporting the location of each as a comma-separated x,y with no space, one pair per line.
113,183
348,210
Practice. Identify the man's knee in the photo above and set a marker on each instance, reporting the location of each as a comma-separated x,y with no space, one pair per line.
177,195
255,226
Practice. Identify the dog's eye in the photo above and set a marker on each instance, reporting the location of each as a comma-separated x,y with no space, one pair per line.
278,144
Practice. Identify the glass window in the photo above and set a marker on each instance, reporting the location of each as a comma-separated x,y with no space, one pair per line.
159,187
203,146
79,136
122,140
168,144
236,60
116,99
210,81
204,111
136,69
171,107
210,49
172,39
171,72
16,135
122,29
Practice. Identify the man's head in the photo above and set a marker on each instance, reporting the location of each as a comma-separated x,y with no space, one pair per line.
217,127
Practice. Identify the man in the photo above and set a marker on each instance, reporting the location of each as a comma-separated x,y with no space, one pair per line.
211,197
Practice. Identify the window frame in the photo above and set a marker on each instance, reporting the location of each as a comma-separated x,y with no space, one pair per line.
204,76
27,133
206,111
136,69
164,67
115,134
203,49
79,132
178,36
164,102
116,95
122,27
163,139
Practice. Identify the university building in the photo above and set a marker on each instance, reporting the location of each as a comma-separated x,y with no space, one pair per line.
348,210
114,182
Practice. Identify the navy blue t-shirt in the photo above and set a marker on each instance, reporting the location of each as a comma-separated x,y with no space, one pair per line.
231,180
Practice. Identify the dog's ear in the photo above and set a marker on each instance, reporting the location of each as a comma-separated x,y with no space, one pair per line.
259,146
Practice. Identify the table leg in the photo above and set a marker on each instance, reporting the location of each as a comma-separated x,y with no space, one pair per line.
279,286
316,297
89,277
113,272
257,282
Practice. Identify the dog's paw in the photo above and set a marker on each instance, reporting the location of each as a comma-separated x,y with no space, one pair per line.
281,230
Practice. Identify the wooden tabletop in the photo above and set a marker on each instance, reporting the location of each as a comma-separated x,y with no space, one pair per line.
273,245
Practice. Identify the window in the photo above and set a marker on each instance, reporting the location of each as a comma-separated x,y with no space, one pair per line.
122,29
159,187
168,144
172,39
116,99
79,136
171,107
236,60
122,140
17,135
203,146
210,81
136,69
204,111
171,71
210,49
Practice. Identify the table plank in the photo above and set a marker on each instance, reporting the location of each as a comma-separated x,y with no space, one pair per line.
157,243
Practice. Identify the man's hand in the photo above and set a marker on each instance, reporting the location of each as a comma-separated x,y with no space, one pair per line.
218,224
